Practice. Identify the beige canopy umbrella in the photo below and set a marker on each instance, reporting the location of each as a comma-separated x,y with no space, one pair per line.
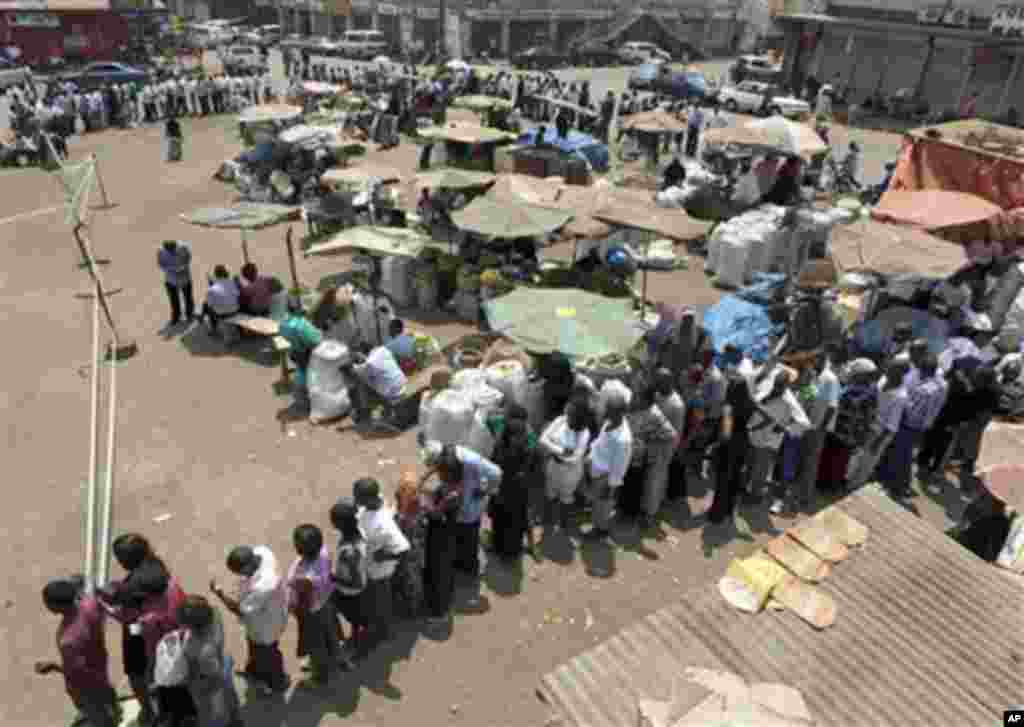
658,122
491,218
269,112
775,134
481,103
450,178
894,249
574,200
360,175
517,188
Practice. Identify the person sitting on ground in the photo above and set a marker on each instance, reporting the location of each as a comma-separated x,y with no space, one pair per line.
222,298
375,378
401,344
255,291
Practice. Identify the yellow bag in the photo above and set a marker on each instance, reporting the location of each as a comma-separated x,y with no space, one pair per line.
759,573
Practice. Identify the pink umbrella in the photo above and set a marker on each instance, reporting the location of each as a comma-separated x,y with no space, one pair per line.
934,209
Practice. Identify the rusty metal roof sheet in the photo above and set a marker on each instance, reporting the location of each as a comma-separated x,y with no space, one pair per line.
923,628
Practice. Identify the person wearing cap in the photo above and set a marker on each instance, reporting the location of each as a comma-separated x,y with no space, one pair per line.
777,412
175,261
262,608
83,651
385,545
350,567
892,400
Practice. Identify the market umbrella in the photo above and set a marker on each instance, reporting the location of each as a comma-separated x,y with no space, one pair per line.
481,103
465,133
303,134
518,188
457,64
491,218
382,60
242,216
894,250
575,322
360,175
374,240
568,105
775,134
934,209
659,122
451,178
269,112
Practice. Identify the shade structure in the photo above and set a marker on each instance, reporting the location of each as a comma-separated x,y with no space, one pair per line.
774,135
631,208
658,122
575,322
374,240
360,175
894,249
490,218
451,178
457,64
269,112
382,60
934,209
465,133
1006,483
241,216
319,88
518,188
481,103
305,135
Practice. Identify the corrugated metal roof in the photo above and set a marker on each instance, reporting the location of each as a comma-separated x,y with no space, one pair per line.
923,628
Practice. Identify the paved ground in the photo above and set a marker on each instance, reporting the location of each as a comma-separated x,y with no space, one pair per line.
210,456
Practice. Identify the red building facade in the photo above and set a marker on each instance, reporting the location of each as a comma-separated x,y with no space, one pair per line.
72,29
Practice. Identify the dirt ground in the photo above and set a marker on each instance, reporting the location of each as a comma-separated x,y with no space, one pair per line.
209,456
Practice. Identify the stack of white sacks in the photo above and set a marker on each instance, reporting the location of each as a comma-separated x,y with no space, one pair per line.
458,415
756,241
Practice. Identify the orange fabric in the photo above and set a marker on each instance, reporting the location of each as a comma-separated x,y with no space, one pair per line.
933,165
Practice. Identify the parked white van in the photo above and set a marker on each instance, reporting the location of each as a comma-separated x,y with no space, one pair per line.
365,44
641,52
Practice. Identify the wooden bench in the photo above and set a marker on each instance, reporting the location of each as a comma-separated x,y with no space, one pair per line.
268,328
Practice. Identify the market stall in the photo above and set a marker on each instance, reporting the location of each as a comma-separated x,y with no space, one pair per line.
467,146
243,216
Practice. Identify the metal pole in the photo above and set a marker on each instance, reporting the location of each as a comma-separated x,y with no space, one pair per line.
99,180
107,497
90,499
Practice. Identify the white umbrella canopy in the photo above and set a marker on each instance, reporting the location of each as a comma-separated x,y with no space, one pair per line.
457,64
790,137
382,60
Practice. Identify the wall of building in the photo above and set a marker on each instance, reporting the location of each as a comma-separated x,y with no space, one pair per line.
906,10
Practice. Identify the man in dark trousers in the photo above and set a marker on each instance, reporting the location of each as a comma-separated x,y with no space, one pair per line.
175,260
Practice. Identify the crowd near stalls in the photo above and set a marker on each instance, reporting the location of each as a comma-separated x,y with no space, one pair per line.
837,358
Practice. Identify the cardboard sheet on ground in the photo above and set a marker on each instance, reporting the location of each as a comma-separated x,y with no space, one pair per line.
575,322
816,538
729,702
844,528
797,559
810,603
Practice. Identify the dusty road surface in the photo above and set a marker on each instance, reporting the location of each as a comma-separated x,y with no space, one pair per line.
209,456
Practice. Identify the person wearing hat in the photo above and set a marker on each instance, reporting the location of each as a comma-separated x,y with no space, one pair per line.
350,567
83,651
777,412
385,545
175,261
262,608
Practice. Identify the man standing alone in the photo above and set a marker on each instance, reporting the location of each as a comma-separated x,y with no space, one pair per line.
175,260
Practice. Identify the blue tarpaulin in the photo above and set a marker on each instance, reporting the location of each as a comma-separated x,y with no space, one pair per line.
744,324
577,143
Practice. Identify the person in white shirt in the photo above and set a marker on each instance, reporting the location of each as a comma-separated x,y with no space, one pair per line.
385,545
262,607
608,462
564,442
892,400
350,567
777,413
822,415
222,298
374,378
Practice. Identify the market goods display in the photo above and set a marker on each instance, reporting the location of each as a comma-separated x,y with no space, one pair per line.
508,377
450,417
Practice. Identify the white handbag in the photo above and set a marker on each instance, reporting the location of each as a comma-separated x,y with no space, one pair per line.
171,665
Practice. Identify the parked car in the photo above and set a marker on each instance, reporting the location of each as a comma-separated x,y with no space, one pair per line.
761,98
755,68
99,74
322,45
539,58
244,58
12,74
643,52
643,77
363,44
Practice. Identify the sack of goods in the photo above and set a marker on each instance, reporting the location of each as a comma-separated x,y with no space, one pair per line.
449,417
328,395
470,378
508,377
485,398
480,439
366,319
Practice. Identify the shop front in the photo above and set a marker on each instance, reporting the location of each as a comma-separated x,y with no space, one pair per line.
75,30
